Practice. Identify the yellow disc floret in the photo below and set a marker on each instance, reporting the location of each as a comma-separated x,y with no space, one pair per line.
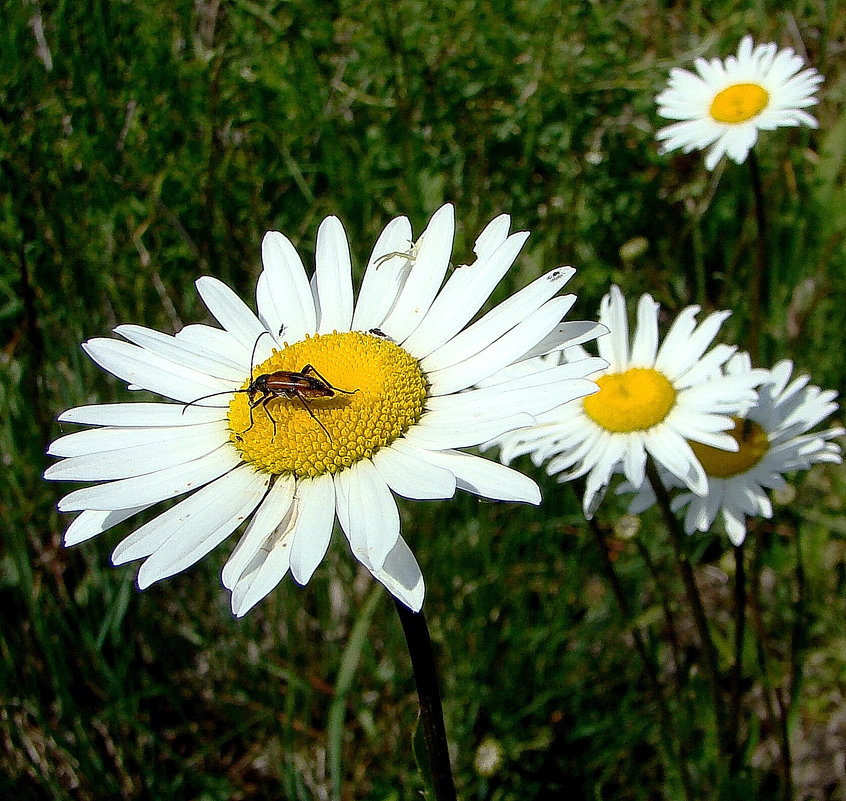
752,441
326,402
739,103
634,400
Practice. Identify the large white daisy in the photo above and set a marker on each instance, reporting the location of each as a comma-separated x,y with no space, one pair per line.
319,407
651,400
773,439
725,105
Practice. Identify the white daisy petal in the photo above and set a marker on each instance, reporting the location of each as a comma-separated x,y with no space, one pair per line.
334,277
486,478
263,532
182,352
90,523
99,440
508,348
401,576
288,287
143,457
383,279
427,273
204,520
233,314
369,516
498,321
148,489
312,526
147,370
408,472
140,415
451,310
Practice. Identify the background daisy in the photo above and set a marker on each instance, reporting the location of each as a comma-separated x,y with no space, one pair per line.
726,103
394,372
772,440
651,400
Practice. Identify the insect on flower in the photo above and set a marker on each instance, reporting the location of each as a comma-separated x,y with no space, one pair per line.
304,385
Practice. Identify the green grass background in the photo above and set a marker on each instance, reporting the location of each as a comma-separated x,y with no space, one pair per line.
145,143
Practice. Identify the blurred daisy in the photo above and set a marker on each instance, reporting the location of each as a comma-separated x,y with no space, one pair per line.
772,439
318,407
651,400
728,102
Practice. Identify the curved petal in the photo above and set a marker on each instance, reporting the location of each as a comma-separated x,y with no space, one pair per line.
489,479
368,512
434,249
401,576
204,523
314,519
288,288
334,277
407,471
234,315
149,489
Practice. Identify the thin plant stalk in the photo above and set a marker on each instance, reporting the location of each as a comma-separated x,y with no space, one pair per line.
669,617
769,692
431,712
759,285
694,598
668,729
737,667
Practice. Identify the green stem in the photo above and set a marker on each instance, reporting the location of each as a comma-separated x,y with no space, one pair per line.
668,729
431,712
694,598
737,668
759,285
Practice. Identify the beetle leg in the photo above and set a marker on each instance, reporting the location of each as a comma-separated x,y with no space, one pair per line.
264,403
304,402
310,369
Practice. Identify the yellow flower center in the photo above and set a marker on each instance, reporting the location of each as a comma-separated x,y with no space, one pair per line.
322,404
632,401
739,103
753,442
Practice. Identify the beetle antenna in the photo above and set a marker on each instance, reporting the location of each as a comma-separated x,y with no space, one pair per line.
213,395
253,354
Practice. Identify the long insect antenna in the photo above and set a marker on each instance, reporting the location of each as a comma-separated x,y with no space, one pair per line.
253,354
195,402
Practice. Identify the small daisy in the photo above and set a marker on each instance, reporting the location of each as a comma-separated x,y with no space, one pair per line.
651,400
727,103
319,407
772,440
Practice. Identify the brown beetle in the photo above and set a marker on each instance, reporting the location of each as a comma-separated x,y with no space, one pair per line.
304,385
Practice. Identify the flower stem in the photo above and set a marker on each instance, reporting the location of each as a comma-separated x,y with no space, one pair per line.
694,599
668,729
431,713
737,668
759,289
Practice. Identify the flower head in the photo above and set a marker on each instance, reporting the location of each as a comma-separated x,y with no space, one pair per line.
772,440
725,105
318,407
651,400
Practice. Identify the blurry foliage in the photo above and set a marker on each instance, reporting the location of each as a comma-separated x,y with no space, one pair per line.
145,143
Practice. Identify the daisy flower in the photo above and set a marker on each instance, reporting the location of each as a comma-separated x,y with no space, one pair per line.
725,105
318,407
651,400
772,440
